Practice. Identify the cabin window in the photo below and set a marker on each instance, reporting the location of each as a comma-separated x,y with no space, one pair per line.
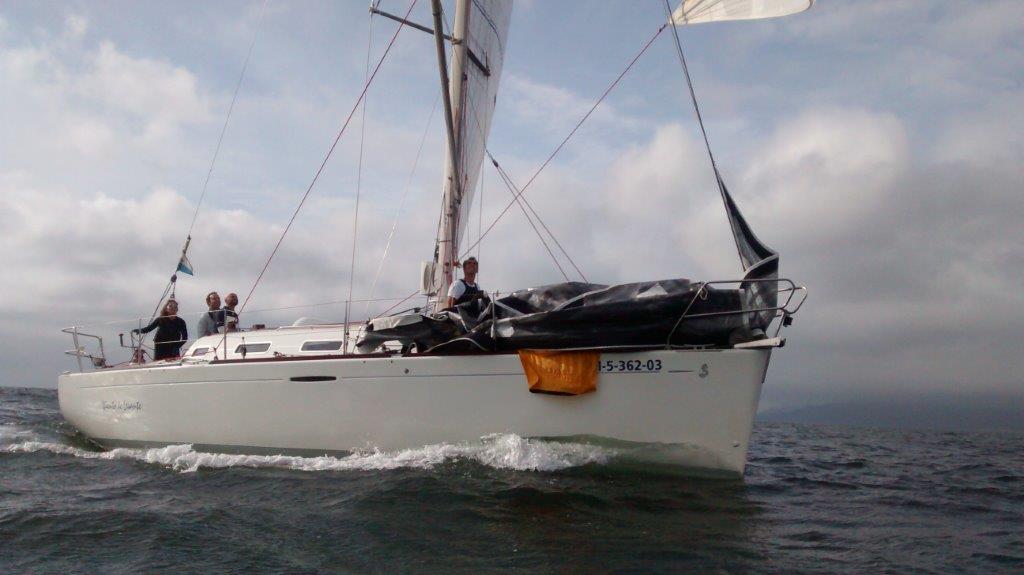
200,351
334,345
252,347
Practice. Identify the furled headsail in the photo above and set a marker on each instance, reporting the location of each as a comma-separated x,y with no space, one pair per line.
481,31
760,263
701,11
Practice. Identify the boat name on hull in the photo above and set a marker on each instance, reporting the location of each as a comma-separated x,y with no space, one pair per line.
122,405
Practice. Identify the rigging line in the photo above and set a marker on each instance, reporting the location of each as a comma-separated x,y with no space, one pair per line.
693,95
330,151
231,108
573,132
216,153
518,199
700,121
536,215
157,310
516,196
265,309
159,303
480,216
405,196
324,303
167,290
507,180
359,180
403,300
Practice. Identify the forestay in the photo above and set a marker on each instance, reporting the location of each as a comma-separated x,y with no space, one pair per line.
700,11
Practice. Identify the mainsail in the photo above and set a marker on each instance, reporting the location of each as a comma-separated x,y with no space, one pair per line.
480,35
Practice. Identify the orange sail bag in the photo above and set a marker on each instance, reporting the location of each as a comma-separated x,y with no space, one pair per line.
560,372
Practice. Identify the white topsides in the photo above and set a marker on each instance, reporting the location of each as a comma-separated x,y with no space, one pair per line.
296,340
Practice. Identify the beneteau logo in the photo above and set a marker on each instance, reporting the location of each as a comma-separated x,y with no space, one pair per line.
122,405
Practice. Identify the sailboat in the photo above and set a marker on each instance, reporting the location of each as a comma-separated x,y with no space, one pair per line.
669,370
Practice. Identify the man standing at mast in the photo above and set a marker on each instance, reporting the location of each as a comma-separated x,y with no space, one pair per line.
465,289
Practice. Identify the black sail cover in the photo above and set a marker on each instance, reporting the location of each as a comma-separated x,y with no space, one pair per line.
570,315
575,314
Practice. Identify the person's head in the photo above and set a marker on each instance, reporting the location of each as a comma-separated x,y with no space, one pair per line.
213,300
470,266
231,300
170,308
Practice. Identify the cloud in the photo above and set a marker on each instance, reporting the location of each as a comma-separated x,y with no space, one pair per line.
81,115
825,172
76,25
121,251
157,97
987,136
554,108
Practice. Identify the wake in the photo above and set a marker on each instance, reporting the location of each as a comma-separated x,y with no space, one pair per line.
499,451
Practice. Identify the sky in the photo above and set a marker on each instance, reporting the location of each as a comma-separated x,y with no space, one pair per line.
875,145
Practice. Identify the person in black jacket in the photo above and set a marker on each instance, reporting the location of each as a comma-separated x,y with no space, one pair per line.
465,289
171,332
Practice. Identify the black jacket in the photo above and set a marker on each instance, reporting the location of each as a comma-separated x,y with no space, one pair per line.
168,329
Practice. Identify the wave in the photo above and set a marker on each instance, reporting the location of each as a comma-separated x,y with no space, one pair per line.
500,451
10,433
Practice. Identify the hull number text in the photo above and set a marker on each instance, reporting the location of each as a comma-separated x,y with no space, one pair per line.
629,365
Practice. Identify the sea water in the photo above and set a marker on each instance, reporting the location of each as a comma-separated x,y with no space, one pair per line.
815,499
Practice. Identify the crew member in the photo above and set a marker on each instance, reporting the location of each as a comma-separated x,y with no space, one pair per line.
230,315
171,332
211,321
465,289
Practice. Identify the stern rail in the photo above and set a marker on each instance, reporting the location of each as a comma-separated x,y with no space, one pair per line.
79,350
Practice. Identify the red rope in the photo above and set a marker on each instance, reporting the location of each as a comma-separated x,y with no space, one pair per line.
567,138
330,151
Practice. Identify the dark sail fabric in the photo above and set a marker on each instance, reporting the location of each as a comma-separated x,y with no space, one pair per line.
760,262
641,314
574,314
411,330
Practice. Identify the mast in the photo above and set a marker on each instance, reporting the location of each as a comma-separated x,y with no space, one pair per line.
470,89
452,167
446,252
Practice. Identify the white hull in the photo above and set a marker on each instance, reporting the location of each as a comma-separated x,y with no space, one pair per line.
705,414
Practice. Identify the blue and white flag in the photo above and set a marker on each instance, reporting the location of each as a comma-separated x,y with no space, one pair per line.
185,266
